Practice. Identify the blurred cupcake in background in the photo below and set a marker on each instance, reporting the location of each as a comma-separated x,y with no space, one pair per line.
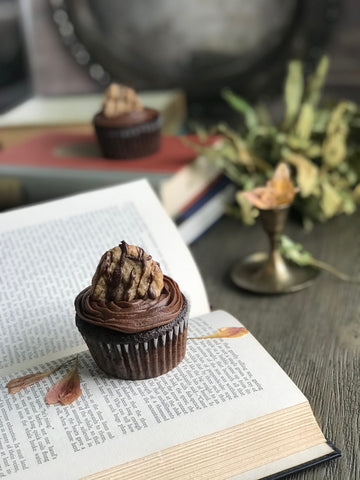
124,128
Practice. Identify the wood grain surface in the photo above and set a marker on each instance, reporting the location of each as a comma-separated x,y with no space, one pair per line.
313,334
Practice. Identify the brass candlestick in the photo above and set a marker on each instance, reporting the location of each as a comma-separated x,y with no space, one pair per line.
271,273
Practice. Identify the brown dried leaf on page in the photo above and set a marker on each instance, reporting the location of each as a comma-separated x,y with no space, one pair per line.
279,190
17,384
225,332
66,390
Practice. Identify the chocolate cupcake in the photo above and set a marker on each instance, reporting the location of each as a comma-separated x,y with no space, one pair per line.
132,317
124,128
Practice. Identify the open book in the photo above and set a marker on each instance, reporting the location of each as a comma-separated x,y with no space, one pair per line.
227,411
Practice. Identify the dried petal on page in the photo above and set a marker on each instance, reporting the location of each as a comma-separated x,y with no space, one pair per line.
18,384
279,190
66,390
225,332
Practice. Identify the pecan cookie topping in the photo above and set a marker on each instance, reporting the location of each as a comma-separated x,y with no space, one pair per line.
129,292
120,99
126,273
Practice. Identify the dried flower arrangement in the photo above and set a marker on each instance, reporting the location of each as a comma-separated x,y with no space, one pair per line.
280,191
316,139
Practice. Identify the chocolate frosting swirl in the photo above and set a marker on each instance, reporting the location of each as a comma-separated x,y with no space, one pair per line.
132,316
125,120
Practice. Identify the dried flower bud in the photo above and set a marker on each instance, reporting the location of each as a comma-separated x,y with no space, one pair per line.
279,190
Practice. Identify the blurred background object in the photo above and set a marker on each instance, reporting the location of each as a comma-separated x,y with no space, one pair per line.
57,56
77,46
14,78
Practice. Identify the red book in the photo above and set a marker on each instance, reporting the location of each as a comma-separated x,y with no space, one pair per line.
59,150
57,164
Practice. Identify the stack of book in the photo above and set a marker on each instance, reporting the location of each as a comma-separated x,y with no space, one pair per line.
51,165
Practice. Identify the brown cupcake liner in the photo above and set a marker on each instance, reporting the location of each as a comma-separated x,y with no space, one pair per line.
131,142
137,356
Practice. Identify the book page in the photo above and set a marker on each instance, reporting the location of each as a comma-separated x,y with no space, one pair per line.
287,463
49,253
220,383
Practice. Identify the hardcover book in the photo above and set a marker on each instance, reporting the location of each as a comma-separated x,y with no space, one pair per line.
73,114
227,410
51,165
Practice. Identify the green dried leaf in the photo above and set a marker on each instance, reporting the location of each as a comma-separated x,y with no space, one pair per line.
334,149
293,91
305,121
297,143
199,130
356,193
340,118
321,119
316,82
330,201
334,145
243,155
248,212
313,151
308,224
296,253
242,106
263,115
348,205
307,174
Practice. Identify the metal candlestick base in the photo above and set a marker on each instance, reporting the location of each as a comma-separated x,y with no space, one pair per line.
271,273
254,274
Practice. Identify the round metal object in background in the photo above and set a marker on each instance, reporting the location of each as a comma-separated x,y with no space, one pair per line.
199,46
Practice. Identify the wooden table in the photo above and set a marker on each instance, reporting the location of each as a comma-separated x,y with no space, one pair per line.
313,334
